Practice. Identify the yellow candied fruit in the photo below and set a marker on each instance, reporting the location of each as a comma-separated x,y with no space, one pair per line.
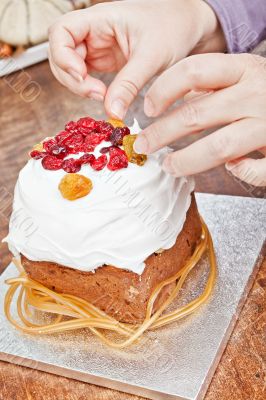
75,186
38,147
133,157
116,123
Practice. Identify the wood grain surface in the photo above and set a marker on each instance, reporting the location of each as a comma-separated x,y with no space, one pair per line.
33,105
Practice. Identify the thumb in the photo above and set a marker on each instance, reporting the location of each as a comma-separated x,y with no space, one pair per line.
249,170
128,82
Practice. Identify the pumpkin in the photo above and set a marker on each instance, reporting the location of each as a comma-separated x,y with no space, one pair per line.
25,22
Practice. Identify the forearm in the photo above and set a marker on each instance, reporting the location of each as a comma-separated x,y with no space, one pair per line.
243,22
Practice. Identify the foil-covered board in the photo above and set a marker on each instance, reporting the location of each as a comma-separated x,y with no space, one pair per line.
176,361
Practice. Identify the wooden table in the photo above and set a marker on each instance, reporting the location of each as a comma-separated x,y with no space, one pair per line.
241,373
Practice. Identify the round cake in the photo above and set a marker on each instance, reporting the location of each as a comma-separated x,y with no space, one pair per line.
93,219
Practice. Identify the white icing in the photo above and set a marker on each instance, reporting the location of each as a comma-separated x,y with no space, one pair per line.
128,215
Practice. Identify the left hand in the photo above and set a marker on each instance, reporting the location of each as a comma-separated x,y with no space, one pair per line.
233,101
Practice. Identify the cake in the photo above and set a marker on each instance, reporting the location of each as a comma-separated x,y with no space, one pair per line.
93,219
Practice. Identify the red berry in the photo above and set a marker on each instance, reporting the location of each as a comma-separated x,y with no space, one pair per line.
99,163
87,125
117,135
37,155
74,143
118,159
51,163
47,144
92,140
71,127
105,150
106,129
71,165
59,151
87,158
62,136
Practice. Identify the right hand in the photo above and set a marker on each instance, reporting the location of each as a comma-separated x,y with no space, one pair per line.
138,38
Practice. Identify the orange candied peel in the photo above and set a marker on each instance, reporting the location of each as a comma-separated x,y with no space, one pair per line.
133,157
75,186
117,123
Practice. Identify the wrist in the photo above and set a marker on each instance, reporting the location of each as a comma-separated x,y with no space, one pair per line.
212,37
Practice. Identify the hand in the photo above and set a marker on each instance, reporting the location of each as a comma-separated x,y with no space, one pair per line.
138,38
234,97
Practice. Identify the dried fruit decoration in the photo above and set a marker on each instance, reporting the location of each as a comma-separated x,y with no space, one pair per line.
83,136
133,157
75,186
118,134
118,159
116,123
51,163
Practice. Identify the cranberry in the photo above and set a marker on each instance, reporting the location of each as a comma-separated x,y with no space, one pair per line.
92,140
59,151
61,136
86,148
71,165
47,144
87,158
106,129
118,159
99,163
74,143
105,150
87,125
71,127
51,163
117,135
37,155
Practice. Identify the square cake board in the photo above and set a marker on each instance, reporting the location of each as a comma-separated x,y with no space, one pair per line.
176,361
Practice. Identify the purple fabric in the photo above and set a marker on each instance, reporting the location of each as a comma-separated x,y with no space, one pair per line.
243,22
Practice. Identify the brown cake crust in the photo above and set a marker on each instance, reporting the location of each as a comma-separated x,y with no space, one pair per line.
120,293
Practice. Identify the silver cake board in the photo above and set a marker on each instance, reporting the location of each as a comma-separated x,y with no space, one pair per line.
176,361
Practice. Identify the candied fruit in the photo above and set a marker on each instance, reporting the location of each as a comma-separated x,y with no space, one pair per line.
71,165
37,155
87,158
118,134
118,159
51,163
38,147
105,129
61,136
133,157
48,143
58,151
105,150
75,186
88,124
73,143
71,127
93,139
99,163
116,123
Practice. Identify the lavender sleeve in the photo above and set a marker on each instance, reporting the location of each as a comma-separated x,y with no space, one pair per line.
243,22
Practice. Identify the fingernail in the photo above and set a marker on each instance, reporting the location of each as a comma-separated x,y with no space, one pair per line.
75,75
118,108
230,166
149,107
168,167
141,144
96,96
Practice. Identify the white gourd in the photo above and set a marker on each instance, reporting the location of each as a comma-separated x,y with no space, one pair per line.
25,22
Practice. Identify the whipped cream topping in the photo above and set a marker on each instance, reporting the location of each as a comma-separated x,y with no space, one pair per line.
129,214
